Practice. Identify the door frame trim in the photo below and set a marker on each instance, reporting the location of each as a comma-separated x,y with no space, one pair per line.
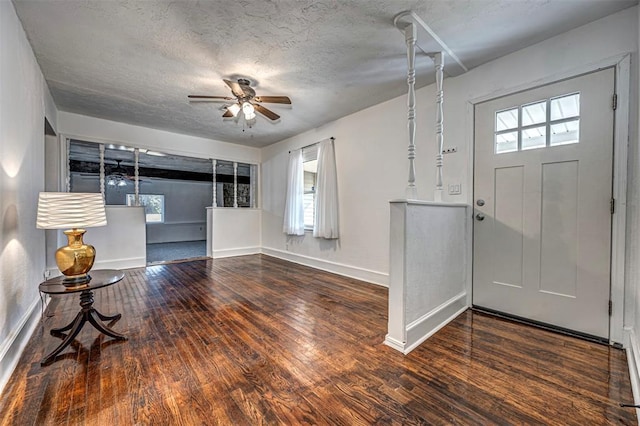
622,82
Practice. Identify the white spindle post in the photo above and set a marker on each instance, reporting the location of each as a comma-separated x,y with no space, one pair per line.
215,184
102,172
410,37
67,178
252,185
235,184
439,65
136,176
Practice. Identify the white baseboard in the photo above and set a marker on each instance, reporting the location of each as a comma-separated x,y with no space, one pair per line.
373,277
395,344
427,325
11,349
133,262
633,360
242,251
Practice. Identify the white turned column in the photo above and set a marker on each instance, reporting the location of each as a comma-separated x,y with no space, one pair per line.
252,185
410,37
136,176
67,150
214,163
235,184
439,65
102,173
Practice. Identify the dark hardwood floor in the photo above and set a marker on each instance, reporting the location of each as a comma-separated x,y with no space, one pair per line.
256,340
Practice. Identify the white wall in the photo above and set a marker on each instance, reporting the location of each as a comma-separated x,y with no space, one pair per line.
24,101
370,159
120,244
232,232
371,147
428,271
632,274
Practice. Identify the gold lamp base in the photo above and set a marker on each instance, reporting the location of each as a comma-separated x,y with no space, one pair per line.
75,259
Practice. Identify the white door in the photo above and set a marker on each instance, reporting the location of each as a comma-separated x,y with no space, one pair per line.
542,203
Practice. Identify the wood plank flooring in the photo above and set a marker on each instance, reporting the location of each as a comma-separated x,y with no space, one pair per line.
256,340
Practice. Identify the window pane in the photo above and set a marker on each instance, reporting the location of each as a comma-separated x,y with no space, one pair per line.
310,176
507,119
119,165
84,166
224,183
565,107
565,133
506,142
244,185
534,113
309,209
153,206
534,138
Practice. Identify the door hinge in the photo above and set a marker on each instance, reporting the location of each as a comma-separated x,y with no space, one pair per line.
610,307
614,101
612,205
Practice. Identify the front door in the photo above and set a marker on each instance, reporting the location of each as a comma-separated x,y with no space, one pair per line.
542,203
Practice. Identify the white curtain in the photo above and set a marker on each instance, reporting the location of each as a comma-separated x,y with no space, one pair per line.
325,224
294,207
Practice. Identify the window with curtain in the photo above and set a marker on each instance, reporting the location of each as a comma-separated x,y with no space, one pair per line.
294,203
310,167
325,223
312,192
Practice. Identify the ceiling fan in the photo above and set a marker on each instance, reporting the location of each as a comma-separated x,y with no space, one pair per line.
117,176
246,101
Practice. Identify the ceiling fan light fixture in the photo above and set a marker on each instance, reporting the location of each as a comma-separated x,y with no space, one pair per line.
116,180
234,109
248,110
247,102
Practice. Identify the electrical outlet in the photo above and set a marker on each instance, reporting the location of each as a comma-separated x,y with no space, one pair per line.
455,188
450,150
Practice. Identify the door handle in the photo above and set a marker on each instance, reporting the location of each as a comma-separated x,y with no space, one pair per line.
480,217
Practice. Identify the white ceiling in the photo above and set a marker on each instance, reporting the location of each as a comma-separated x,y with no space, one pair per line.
136,61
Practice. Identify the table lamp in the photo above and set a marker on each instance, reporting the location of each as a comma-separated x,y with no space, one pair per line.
74,210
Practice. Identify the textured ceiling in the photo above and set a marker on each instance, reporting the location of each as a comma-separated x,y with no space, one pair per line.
136,61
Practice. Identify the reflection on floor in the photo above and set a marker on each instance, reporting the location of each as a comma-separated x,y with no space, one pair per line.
164,252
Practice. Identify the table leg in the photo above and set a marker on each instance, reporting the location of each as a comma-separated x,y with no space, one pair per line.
104,317
62,329
76,326
103,328
88,313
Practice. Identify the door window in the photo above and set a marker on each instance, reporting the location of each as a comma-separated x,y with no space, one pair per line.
545,123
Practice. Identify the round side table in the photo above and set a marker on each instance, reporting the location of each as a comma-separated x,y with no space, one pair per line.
98,279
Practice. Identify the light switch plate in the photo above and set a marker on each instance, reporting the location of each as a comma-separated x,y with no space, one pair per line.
455,188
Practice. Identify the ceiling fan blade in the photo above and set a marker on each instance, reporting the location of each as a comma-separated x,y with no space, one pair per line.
266,112
227,98
235,87
227,114
273,99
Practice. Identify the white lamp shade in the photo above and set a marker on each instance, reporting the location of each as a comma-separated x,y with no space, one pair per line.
66,210
234,109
